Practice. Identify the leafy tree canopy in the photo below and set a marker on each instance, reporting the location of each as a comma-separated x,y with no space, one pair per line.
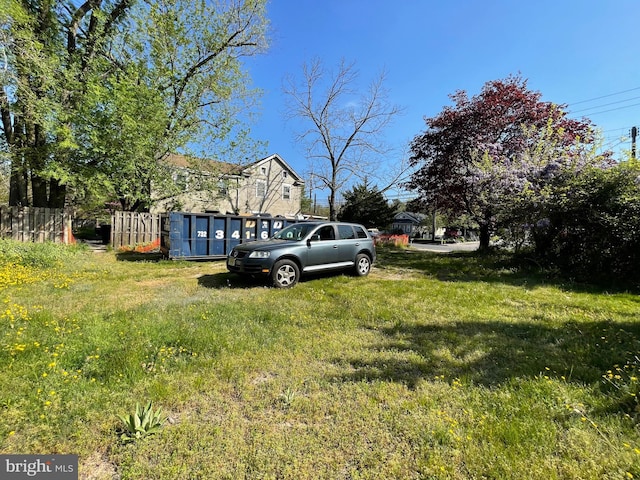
94,95
471,159
366,205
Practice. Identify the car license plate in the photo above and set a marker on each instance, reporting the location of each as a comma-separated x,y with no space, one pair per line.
231,261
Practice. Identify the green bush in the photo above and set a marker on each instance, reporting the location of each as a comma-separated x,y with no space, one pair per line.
591,226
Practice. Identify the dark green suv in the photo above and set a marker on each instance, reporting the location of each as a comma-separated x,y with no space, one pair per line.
303,248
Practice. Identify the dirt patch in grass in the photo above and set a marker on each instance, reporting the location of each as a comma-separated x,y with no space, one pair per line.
97,467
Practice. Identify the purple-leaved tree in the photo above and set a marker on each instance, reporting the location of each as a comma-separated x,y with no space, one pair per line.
481,155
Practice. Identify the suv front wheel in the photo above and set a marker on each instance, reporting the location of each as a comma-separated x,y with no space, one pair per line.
285,274
363,265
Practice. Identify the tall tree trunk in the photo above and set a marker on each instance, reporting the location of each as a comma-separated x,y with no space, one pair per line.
333,214
485,236
18,183
57,194
39,191
37,157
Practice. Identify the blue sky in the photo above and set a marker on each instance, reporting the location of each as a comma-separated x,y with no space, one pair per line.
581,53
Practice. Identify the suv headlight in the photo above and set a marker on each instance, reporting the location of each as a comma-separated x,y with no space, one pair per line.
259,254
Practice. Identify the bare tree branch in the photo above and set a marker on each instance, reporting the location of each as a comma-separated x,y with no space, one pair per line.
345,128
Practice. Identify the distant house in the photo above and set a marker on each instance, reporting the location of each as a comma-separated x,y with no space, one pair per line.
267,186
410,223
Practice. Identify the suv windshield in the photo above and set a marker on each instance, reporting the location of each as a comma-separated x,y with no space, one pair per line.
294,232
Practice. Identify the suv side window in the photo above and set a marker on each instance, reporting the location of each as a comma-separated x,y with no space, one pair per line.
326,233
346,232
360,232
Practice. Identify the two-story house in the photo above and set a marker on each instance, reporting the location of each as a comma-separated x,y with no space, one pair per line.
267,186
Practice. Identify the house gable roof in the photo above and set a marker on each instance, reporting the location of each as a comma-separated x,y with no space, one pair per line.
204,165
280,160
409,217
224,168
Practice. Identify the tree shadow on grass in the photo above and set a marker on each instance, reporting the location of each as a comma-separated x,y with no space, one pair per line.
139,257
497,267
229,280
491,353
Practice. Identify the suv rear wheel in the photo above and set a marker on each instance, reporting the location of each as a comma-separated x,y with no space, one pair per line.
363,265
285,274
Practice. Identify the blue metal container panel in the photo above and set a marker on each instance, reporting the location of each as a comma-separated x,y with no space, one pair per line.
200,235
234,233
219,240
212,236
264,228
248,229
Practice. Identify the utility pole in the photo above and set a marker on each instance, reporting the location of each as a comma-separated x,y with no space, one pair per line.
634,133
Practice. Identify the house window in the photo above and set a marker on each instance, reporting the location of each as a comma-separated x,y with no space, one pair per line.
180,179
263,170
286,192
261,188
222,187
284,174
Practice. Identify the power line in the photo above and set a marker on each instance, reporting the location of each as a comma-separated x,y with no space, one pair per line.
615,129
619,141
604,105
605,96
614,109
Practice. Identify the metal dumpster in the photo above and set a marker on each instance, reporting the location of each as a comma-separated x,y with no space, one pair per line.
210,236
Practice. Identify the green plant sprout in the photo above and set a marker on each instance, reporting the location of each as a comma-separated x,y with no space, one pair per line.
142,423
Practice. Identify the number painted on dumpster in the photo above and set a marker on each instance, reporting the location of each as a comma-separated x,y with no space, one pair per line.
202,234
219,234
264,235
235,234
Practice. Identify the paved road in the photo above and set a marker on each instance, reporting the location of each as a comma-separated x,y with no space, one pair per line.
446,247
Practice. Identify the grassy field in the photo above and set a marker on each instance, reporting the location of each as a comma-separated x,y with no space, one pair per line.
433,367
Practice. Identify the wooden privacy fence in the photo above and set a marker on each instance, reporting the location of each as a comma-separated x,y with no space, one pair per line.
132,228
36,224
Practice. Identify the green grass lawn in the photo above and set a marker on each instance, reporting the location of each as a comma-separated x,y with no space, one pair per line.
434,366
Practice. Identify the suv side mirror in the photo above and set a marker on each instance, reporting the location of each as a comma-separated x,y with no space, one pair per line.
314,238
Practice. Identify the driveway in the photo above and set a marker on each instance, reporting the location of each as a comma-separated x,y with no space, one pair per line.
446,247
